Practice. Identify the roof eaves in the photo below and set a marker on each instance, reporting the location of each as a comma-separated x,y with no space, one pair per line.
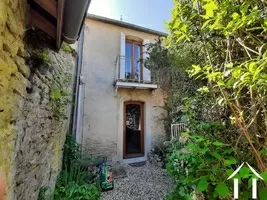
125,25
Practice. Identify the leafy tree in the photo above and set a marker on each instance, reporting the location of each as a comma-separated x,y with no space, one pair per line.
222,45
233,38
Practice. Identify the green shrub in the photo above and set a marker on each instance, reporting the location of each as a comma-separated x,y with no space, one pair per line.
204,164
74,184
74,191
76,181
45,193
67,48
71,152
73,174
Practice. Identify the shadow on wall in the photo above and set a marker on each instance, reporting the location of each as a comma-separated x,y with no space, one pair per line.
35,93
102,147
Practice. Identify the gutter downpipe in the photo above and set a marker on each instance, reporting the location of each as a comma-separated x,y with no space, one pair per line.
77,119
79,125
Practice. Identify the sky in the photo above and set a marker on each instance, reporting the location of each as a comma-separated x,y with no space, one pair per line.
147,13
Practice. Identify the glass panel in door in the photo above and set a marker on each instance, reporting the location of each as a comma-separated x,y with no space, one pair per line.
133,129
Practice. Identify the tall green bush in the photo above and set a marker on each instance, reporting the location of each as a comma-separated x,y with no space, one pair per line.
76,181
202,163
230,36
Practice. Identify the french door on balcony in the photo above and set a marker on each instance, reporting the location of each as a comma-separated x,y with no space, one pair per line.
133,55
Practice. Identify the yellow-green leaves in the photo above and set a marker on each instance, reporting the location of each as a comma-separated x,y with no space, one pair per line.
55,94
203,89
235,16
236,72
196,70
265,24
210,8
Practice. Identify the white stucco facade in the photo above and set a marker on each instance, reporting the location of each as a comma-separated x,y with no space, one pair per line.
102,124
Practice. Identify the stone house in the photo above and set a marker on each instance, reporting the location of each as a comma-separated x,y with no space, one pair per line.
121,108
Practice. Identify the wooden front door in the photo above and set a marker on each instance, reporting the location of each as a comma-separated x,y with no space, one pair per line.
133,129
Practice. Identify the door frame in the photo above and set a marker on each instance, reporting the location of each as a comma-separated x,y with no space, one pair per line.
142,106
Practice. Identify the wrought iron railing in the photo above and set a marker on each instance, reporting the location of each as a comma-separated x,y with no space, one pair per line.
132,70
176,130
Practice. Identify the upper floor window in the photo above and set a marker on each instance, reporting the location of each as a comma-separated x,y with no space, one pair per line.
133,55
130,65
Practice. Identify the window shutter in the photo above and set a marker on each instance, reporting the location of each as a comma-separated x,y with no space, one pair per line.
145,44
146,72
122,57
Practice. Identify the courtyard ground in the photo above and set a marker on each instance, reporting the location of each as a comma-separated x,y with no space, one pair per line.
148,182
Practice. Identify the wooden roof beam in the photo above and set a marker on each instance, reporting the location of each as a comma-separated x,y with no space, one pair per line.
49,5
60,11
40,22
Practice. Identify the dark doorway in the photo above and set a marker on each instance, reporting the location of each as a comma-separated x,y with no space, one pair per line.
133,129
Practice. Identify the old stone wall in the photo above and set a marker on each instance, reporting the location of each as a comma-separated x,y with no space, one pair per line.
35,91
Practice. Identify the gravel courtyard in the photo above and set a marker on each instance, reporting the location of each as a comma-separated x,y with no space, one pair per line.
147,182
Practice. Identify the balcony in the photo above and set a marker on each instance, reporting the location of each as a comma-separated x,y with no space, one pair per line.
131,73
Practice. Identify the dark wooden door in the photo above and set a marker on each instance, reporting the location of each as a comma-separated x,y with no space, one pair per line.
133,129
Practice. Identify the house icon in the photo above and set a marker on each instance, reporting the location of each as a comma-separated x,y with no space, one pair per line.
254,181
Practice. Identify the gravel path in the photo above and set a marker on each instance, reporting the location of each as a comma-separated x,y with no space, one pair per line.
148,182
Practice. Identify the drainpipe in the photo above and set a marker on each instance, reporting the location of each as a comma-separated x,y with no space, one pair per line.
77,117
79,124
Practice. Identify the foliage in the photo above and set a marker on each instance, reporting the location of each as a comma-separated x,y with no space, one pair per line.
39,59
45,57
67,48
74,191
204,164
78,180
73,173
243,91
60,95
231,37
71,153
73,183
199,107
175,83
45,194
172,63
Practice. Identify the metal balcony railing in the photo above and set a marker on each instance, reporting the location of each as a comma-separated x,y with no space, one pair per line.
131,69
176,130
